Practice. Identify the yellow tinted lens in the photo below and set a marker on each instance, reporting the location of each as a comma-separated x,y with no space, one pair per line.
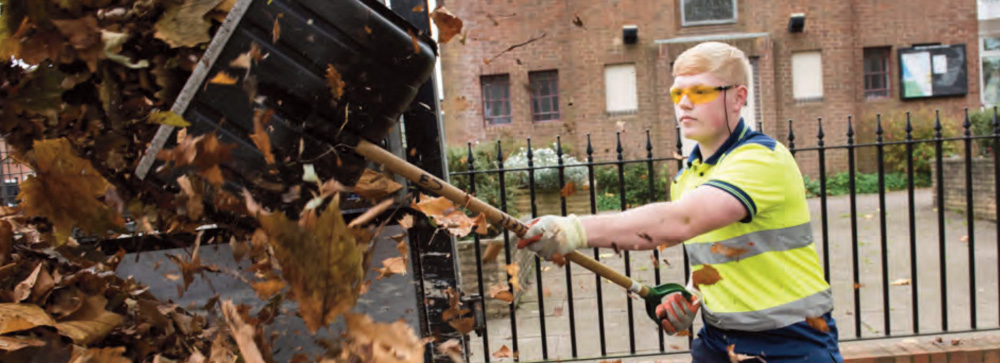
697,94
702,94
676,94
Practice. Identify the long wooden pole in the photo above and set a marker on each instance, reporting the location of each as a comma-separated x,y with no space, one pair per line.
494,215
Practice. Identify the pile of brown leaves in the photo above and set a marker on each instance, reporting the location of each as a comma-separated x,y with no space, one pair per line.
83,85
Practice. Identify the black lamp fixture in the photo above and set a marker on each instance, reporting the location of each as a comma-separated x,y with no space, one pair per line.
796,23
630,34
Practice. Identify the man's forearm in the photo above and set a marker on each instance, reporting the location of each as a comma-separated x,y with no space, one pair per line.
641,228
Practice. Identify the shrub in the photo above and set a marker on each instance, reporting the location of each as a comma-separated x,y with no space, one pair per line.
839,184
922,121
982,125
636,184
546,179
487,184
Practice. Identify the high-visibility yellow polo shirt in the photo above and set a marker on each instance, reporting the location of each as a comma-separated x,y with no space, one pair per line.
778,280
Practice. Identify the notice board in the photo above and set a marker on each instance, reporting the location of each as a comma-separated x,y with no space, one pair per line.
932,71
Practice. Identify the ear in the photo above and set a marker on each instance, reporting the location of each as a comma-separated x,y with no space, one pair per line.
742,95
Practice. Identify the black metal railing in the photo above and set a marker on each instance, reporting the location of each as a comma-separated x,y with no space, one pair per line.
852,324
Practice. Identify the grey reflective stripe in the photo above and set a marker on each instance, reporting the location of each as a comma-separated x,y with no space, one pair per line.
782,239
773,318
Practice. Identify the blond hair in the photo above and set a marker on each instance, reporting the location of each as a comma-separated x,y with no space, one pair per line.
723,60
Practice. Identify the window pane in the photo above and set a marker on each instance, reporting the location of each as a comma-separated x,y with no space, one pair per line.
991,43
555,105
807,75
708,10
991,80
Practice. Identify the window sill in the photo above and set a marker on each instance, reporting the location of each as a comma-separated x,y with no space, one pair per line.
877,98
621,113
808,100
546,121
686,24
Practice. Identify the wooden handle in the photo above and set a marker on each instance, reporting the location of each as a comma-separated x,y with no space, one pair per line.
494,215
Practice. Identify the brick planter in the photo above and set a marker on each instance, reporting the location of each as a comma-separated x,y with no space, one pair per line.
983,186
549,202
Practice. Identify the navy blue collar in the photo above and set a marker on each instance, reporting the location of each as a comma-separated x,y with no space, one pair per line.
733,139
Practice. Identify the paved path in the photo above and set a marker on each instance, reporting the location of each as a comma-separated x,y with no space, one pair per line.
619,336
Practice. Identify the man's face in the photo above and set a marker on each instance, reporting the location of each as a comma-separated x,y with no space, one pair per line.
702,116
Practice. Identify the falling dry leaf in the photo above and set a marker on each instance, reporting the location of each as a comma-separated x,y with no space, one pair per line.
448,216
453,349
818,323
559,259
568,190
416,43
371,213
964,238
204,152
707,276
266,289
546,292
91,323
684,333
275,31
106,355
223,78
577,21
503,352
464,325
512,270
260,136
738,357
11,344
242,61
391,266
501,292
901,282
192,198
23,289
18,317
242,333
447,23
729,252
334,80
557,311
65,189
374,185
168,118
492,251
184,24
320,260
380,342
406,221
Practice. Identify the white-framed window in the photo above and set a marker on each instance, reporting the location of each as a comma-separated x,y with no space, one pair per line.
706,12
989,58
807,76
620,95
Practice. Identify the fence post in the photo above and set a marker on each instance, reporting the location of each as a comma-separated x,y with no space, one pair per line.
913,225
597,257
970,212
938,156
880,150
854,226
822,200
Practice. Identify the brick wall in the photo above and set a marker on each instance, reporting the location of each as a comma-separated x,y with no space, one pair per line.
984,192
840,30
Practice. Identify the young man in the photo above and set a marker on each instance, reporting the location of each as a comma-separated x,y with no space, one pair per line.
739,206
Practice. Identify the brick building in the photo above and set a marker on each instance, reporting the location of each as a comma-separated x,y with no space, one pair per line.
579,75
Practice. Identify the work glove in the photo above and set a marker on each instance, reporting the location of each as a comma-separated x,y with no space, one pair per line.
677,313
550,235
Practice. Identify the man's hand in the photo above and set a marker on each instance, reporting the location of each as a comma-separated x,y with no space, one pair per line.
549,235
677,313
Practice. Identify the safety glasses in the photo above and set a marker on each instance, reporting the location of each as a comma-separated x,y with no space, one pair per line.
697,94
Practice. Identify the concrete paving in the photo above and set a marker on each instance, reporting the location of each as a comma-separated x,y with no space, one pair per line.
639,335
